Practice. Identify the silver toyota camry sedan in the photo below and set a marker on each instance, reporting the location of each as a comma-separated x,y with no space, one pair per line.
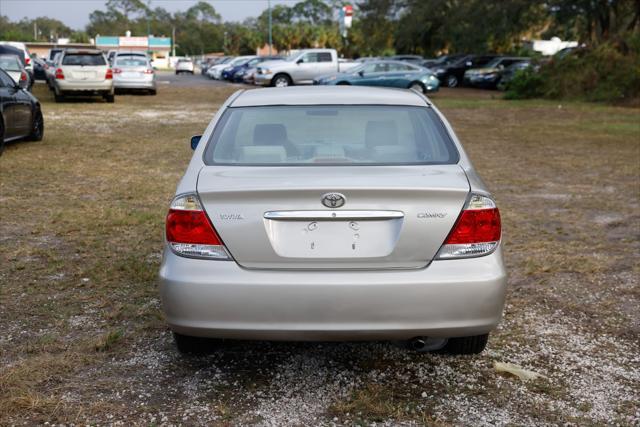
332,213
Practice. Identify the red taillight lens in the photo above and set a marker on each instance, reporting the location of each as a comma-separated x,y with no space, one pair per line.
59,74
477,231
109,74
23,76
27,60
476,226
190,227
115,71
190,233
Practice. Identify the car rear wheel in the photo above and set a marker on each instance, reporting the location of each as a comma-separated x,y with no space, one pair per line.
152,92
194,345
110,98
37,127
58,97
281,80
417,86
465,345
452,81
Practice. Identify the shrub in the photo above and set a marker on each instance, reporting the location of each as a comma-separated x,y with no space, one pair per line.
609,72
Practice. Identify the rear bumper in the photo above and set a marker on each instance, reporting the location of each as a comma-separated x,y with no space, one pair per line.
134,84
219,299
81,86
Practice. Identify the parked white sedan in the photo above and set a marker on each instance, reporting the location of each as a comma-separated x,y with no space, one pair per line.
332,213
133,72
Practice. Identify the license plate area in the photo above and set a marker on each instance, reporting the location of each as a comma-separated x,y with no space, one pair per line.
330,235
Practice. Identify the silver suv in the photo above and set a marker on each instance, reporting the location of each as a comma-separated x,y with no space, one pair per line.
83,72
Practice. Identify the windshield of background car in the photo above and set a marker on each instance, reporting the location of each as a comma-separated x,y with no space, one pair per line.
10,63
84,59
131,61
330,135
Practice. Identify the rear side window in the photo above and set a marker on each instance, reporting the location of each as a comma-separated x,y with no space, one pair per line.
10,63
324,57
85,59
330,135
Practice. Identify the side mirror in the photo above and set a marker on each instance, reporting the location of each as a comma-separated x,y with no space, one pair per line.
500,67
361,73
195,140
299,61
469,63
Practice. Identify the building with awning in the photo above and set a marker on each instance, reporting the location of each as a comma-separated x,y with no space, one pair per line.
158,48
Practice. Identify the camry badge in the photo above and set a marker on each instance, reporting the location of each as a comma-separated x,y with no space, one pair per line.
333,200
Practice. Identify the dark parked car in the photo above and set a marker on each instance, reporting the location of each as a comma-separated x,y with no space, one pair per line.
442,61
452,74
238,73
488,76
39,68
509,73
387,74
20,114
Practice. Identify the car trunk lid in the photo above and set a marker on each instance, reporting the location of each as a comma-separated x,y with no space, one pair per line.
392,216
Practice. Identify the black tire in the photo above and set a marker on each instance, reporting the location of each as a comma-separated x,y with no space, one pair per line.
343,84
418,87
281,80
110,98
1,135
452,81
465,345
58,97
153,92
37,127
194,345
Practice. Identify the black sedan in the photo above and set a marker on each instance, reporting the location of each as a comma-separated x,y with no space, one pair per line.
452,74
20,114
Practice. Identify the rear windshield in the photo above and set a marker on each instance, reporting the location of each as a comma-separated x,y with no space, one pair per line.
83,59
10,63
131,61
330,135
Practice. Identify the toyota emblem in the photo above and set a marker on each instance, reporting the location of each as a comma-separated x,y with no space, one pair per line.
333,200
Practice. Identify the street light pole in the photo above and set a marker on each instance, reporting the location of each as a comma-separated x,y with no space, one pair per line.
270,41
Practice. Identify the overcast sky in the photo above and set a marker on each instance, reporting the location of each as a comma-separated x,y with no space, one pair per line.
75,13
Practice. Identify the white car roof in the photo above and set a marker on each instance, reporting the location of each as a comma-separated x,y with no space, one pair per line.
328,95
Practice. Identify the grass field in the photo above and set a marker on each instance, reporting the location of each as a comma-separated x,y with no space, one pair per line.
82,336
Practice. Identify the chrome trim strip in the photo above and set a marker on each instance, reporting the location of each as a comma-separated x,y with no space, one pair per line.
331,215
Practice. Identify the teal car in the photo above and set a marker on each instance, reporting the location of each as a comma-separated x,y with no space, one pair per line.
397,74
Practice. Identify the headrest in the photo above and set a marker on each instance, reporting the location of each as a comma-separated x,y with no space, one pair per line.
269,134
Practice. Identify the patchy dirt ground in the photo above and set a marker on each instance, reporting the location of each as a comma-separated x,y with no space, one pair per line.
82,338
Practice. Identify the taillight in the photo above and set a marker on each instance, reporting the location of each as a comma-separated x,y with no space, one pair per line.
148,71
59,74
23,76
115,71
109,74
189,232
27,60
477,231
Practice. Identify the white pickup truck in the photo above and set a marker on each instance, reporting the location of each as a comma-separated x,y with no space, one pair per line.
301,68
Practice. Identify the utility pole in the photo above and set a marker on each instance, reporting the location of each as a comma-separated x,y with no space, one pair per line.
173,40
35,31
270,40
148,26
